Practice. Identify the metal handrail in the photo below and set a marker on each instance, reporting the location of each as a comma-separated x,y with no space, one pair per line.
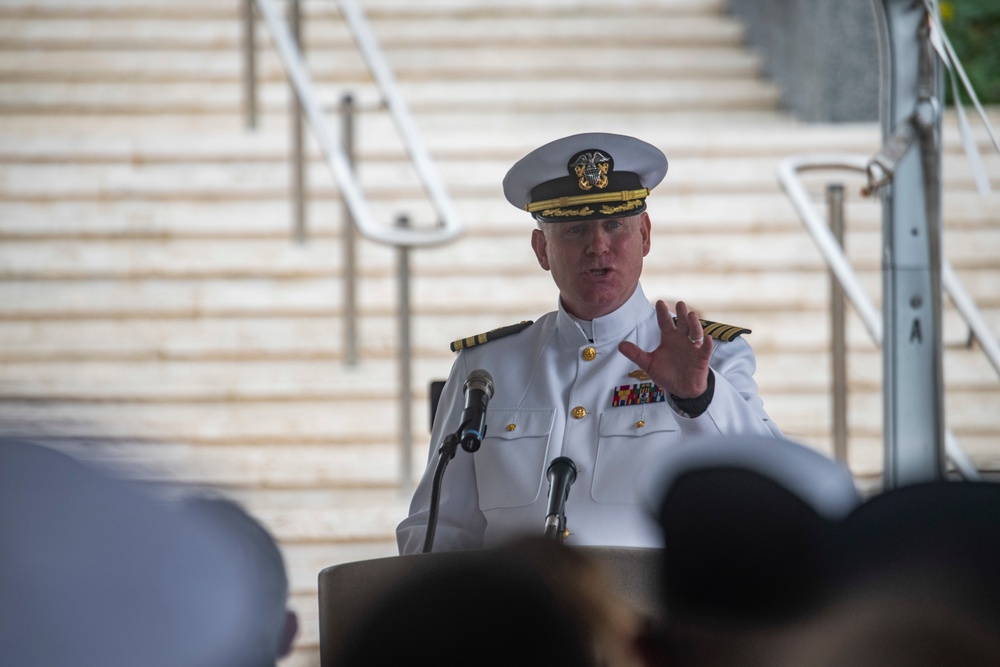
338,156
840,266
385,81
449,226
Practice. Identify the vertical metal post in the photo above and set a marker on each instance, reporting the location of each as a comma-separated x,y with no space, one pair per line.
405,367
911,274
298,158
249,67
349,240
838,339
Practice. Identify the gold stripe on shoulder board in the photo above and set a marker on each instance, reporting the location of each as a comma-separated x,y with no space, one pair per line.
720,331
479,339
723,332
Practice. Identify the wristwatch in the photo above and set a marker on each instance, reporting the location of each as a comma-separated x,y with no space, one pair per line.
697,405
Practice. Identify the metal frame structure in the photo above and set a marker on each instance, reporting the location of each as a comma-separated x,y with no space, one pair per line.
843,273
911,87
914,273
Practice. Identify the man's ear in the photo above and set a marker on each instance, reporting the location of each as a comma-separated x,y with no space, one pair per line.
539,245
288,633
645,229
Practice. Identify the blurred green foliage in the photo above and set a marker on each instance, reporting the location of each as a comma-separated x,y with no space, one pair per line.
973,26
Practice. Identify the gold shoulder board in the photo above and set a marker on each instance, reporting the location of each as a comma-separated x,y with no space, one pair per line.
723,332
472,341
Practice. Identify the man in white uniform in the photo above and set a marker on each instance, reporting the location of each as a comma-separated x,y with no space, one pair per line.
607,380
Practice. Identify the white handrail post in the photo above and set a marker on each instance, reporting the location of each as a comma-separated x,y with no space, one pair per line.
249,67
295,120
838,342
349,241
405,368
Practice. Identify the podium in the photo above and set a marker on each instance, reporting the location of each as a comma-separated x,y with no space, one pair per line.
347,589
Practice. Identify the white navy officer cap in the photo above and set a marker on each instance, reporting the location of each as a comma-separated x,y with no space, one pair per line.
587,176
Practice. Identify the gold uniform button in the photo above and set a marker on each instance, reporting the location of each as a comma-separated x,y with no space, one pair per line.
589,354
640,424
511,427
579,412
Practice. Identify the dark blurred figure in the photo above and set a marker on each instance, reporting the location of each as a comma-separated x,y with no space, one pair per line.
743,555
760,570
917,579
528,602
745,524
940,539
273,626
747,544
886,628
612,626
94,572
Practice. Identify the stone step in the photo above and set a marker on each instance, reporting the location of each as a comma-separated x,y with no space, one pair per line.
380,180
220,9
314,297
477,258
321,32
447,139
362,453
269,338
513,294
527,122
246,380
699,213
342,64
356,531
267,258
123,169
327,474
430,97
316,380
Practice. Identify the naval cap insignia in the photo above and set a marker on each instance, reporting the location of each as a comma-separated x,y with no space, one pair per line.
591,169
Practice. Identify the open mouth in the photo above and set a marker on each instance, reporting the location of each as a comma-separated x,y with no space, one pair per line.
598,272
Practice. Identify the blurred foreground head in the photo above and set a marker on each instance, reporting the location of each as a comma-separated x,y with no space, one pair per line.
746,525
96,572
529,602
772,559
271,630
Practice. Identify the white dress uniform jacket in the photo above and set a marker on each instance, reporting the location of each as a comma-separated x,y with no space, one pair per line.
556,393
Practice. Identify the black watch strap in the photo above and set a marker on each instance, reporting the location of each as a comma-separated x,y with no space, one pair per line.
695,406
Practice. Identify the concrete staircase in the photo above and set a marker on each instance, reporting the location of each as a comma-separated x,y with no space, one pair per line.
155,313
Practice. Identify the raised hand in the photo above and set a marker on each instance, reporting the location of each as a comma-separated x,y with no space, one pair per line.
679,364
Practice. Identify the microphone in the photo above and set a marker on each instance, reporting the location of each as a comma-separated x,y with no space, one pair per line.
561,475
478,392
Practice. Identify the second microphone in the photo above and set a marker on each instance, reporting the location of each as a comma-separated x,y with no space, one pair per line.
478,390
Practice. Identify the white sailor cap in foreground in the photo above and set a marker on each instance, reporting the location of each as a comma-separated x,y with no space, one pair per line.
587,176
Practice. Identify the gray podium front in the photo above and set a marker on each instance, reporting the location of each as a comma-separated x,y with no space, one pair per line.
345,590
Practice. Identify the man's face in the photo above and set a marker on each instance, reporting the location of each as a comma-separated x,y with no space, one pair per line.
596,263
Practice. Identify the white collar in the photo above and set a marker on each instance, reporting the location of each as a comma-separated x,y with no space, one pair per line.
614,325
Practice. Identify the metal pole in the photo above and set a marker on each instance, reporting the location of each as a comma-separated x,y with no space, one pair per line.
405,367
349,240
911,274
249,67
298,159
838,342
